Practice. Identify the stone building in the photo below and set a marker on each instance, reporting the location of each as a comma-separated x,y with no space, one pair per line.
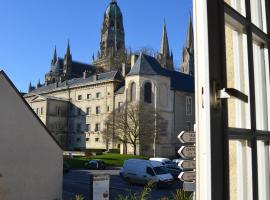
75,106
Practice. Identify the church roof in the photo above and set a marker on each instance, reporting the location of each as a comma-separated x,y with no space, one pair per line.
76,82
77,68
148,65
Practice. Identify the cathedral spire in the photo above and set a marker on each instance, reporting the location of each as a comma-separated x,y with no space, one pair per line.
68,50
164,49
189,41
54,56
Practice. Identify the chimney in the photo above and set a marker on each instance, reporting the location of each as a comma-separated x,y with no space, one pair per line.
95,77
86,74
134,58
123,69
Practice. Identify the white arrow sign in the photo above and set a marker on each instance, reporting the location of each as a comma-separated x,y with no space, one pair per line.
187,137
187,176
187,152
187,164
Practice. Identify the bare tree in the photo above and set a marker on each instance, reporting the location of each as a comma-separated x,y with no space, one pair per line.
136,124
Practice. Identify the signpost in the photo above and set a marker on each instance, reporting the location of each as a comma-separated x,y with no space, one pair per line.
188,176
187,137
187,164
188,152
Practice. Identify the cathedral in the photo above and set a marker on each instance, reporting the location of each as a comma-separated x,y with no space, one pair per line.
76,98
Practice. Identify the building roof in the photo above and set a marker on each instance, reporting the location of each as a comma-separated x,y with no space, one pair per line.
76,82
2,73
77,68
148,65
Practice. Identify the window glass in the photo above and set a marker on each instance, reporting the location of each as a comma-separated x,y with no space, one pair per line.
263,170
261,80
238,5
237,77
258,14
240,171
148,93
98,110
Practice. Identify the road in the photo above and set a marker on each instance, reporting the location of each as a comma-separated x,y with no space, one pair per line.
77,182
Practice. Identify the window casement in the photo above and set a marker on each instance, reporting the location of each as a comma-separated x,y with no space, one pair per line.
98,127
89,96
88,127
79,97
133,92
98,110
148,92
98,95
232,44
188,105
88,111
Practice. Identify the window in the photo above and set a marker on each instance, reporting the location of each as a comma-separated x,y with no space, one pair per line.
88,127
188,126
148,93
79,97
120,106
87,139
89,96
108,108
97,139
37,111
41,110
79,128
97,128
88,111
58,111
188,105
98,110
133,92
79,112
98,95
79,140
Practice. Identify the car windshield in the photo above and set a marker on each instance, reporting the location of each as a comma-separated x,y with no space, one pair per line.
160,170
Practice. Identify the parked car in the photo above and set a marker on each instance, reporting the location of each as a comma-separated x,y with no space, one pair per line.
142,171
95,164
177,160
172,167
65,167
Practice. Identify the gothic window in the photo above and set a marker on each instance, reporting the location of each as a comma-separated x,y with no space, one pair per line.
133,92
148,93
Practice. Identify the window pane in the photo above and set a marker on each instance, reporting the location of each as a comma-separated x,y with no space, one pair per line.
261,79
240,170
237,77
258,14
238,5
263,170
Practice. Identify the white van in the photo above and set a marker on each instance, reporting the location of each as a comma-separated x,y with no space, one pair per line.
142,171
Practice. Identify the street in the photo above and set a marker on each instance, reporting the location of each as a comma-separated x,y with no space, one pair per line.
77,182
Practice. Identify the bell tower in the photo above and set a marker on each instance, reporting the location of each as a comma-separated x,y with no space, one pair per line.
112,43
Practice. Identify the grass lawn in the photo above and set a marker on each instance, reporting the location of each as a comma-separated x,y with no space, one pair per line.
115,160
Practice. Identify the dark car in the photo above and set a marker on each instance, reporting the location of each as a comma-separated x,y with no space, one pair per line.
95,164
65,167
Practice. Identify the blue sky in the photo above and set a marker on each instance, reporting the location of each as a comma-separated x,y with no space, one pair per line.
30,29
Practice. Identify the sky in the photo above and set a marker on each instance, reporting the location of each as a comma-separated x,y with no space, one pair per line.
30,29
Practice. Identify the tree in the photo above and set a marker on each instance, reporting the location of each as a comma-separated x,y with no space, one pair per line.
136,124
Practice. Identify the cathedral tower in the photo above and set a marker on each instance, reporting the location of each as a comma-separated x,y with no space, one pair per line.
165,57
112,45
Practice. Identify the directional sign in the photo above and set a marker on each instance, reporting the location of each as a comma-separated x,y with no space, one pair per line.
187,137
187,152
188,176
187,164
189,186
